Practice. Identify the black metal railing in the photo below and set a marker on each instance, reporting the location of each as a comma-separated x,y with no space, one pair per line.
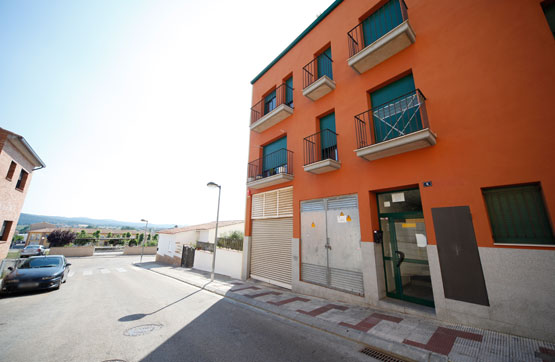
320,146
316,69
281,95
278,162
379,23
398,117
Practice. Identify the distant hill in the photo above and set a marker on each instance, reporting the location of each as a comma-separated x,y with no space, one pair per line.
27,219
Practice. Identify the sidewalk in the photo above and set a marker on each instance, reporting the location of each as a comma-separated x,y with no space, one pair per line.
405,336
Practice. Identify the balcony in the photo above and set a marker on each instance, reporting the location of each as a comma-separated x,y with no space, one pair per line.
272,110
320,152
272,169
379,37
398,126
318,77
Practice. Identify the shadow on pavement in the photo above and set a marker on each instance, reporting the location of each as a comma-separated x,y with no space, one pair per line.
229,332
134,317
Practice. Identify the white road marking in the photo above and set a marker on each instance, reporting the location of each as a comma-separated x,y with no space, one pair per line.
105,271
121,270
70,274
87,272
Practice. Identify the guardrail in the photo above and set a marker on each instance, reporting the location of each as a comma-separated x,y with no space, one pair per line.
320,146
280,161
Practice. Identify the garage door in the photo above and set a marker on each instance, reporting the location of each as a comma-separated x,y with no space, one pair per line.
271,250
272,230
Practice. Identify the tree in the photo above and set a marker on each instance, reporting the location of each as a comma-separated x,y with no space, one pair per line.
155,237
61,237
141,238
148,237
109,235
132,242
96,235
128,235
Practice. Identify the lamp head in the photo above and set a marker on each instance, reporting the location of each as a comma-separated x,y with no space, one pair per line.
212,184
143,220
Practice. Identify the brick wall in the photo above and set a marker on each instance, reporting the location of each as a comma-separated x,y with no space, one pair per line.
11,199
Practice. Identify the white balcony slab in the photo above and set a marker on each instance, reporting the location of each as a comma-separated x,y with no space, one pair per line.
320,88
414,141
269,181
385,47
277,115
322,166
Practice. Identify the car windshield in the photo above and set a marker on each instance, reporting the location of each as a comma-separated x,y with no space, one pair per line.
31,246
41,263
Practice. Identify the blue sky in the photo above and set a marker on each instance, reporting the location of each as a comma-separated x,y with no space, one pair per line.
135,105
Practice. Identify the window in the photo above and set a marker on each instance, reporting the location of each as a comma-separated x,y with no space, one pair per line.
5,231
11,171
548,7
328,137
289,91
517,214
395,109
324,64
275,157
382,21
270,102
22,180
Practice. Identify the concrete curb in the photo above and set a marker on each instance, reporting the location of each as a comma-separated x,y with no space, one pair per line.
390,347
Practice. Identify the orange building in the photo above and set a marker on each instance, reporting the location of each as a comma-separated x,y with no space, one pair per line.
401,156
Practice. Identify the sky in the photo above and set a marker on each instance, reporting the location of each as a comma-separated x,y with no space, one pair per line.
135,106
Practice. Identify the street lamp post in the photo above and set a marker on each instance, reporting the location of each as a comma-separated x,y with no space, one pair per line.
144,239
213,184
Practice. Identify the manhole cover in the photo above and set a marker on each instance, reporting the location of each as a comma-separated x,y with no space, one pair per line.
115,360
142,330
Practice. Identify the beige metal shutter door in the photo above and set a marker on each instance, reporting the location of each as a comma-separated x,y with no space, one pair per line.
271,250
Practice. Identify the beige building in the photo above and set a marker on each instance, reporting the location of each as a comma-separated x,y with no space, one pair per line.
40,236
17,163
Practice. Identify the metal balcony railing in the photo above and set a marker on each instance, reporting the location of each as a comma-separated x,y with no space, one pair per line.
320,146
398,117
278,162
318,67
379,23
282,95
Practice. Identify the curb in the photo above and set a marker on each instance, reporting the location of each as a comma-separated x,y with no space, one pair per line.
386,346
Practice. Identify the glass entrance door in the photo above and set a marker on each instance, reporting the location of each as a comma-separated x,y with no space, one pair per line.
405,256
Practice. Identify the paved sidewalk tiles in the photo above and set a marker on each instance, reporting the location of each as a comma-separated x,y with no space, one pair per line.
408,336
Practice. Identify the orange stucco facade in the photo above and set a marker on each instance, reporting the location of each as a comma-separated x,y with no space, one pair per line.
487,71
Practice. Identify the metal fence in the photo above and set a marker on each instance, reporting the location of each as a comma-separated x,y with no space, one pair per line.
379,23
317,68
320,146
280,161
282,95
396,118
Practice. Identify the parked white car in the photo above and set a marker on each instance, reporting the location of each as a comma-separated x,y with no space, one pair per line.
32,250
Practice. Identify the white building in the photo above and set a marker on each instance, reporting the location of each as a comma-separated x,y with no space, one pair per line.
172,241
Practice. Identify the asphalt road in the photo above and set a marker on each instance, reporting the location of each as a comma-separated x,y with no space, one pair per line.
112,310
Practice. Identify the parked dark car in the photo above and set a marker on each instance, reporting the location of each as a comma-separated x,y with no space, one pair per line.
32,250
37,272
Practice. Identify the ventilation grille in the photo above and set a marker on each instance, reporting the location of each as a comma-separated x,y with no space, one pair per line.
272,204
381,356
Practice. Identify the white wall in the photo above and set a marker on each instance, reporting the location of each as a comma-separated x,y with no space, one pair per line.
228,262
203,236
166,244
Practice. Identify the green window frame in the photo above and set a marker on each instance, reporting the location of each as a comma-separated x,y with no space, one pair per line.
549,12
517,215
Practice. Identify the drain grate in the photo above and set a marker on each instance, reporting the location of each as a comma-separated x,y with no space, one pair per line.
141,330
379,355
115,360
